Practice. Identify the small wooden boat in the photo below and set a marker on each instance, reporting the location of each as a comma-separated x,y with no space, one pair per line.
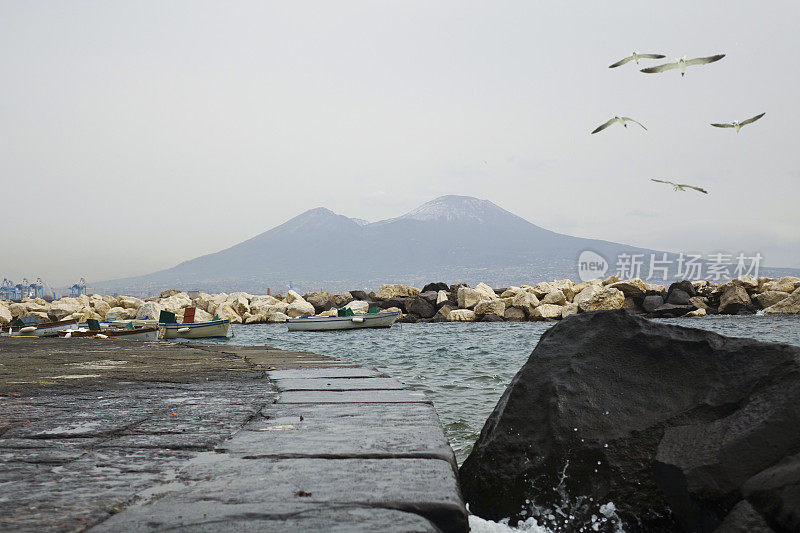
195,330
147,333
119,322
384,319
47,329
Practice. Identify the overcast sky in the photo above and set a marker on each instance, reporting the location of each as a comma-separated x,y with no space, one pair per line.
139,134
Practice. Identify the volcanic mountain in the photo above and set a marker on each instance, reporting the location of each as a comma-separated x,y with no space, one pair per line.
451,238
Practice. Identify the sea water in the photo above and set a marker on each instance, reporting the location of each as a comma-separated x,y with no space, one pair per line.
465,367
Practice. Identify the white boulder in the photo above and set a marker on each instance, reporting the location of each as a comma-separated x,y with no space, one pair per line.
490,307
555,297
358,306
396,290
5,316
547,312
149,310
461,315
225,311
596,297
278,317
526,301
299,307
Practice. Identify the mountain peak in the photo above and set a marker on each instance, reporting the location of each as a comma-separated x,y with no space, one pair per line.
454,208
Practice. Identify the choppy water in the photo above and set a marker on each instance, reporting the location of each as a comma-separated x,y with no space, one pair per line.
465,367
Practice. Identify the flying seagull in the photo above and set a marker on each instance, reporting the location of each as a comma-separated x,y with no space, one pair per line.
621,120
738,125
682,63
636,56
680,186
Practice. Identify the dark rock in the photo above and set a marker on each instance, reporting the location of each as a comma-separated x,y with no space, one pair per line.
775,493
393,302
651,303
436,287
743,519
444,310
735,300
421,307
489,318
429,296
671,310
666,422
409,319
359,295
685,285
455,286
678,297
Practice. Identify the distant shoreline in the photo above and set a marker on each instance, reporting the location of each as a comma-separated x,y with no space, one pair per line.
440,302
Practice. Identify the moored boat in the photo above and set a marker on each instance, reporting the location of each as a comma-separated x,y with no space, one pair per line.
46,329
195,330
384,319
147,333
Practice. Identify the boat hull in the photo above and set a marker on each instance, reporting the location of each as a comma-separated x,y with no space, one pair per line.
339,323
50,329
198,330
138,334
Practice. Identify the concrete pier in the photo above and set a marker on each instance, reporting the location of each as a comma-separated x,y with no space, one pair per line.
123,436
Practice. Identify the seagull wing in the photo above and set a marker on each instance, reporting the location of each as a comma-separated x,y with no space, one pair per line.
695,188
660,68
652,56
662,181
704,60
751,120
621,62
722,125
628,119
603,126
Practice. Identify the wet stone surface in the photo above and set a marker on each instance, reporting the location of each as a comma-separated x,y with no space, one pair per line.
124,436
86,425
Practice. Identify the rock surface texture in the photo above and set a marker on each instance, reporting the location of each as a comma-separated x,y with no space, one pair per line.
178,437
651,426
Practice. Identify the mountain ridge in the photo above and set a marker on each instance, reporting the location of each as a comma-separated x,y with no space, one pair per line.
454,238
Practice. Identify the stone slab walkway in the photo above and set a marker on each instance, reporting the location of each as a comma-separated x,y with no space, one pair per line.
122,436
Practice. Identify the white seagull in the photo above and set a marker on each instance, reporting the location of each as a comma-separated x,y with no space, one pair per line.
621,120
738,125
636,56
680,186
682,63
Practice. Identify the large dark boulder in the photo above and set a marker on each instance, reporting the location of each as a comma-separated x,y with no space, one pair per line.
436,287
685,286
672,425
393,302
671,311
678,297
735,300
651,302
417,305
359,295
430,296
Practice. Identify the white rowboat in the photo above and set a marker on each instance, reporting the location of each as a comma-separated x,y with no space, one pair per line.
384,319
196,330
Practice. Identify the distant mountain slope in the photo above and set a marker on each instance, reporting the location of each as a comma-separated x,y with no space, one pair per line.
451,238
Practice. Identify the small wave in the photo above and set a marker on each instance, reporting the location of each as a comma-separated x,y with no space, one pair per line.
479,525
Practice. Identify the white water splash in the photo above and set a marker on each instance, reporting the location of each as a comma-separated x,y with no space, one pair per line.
479,525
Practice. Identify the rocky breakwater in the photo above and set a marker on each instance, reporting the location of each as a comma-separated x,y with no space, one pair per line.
439,302
620,422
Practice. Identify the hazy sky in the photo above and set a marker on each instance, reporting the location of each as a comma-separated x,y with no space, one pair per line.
135,135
